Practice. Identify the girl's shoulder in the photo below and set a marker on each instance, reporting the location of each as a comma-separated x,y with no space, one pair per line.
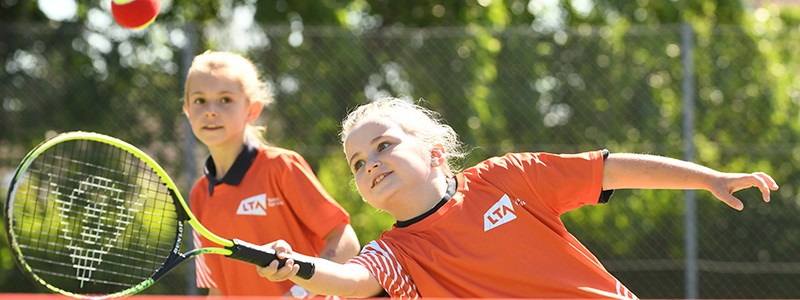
273,152
277,157
501,162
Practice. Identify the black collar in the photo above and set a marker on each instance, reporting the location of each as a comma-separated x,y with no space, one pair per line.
451,190
240,166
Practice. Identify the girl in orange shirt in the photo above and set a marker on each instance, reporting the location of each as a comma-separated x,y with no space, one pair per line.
256,192
493,230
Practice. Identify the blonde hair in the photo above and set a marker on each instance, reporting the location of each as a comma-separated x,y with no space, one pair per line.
415,120
254,88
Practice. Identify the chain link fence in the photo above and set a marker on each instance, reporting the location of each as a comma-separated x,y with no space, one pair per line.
723,97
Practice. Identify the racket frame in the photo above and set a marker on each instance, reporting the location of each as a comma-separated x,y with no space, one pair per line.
235,249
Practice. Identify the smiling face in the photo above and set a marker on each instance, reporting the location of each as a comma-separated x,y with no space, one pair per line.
217,108
394,171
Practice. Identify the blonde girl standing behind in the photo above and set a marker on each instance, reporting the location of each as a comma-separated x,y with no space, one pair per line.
253,191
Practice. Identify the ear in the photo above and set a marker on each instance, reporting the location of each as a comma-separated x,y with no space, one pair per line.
437,155
253,111
186,109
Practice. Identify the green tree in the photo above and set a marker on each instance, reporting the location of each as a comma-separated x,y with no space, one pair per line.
507,75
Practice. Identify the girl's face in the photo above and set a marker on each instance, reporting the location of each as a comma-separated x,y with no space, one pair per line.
392,169
217,108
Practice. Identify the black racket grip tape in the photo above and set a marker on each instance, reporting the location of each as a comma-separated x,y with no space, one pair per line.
262,256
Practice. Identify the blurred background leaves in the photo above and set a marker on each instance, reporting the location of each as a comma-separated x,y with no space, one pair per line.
555,76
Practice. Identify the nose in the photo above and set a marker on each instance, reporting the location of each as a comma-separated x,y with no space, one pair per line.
211,110
372,165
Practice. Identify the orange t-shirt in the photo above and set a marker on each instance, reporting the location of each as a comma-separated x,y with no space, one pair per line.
500,235
269,194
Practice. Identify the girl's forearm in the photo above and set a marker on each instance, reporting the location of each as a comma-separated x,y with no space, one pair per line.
331,278
642,171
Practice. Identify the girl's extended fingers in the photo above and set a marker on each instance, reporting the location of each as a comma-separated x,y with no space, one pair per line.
762,186
732,201
768,179
765,184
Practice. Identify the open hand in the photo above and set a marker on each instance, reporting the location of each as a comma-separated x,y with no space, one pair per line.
728,183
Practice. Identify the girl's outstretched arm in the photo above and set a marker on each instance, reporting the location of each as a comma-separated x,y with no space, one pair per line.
330,278
642,171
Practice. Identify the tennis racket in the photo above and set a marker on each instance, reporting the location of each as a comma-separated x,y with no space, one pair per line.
91,216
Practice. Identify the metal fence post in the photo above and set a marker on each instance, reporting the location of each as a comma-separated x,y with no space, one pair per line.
690,218
188,147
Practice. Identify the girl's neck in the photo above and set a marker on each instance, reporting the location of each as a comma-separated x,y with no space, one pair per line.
423,200
224,157
450,190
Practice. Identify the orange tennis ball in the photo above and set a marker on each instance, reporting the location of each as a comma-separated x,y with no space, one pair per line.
135,14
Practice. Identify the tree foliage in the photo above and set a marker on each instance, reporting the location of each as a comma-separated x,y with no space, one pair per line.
507,75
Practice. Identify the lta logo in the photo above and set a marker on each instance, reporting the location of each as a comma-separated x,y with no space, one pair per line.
253,206
500,213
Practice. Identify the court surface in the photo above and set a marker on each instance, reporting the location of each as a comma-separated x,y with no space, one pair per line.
10,296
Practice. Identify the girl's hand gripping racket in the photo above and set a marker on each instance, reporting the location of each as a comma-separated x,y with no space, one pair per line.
91,216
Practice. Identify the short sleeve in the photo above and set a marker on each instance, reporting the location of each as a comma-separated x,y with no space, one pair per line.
562,182
382,263
308,198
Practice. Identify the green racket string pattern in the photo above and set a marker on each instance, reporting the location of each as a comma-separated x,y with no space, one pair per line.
89,218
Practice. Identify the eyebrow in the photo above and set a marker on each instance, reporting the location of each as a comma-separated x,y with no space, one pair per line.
350,160
220,93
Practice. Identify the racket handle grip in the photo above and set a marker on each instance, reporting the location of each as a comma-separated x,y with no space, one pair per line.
261,256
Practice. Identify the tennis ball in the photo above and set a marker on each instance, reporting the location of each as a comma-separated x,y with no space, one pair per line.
135,14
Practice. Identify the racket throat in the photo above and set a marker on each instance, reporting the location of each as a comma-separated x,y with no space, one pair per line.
173,261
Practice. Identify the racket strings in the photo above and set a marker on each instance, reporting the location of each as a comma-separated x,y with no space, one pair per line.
91,218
